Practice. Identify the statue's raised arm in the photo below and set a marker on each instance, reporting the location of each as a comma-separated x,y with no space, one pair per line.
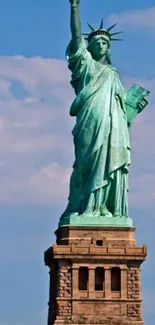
75,24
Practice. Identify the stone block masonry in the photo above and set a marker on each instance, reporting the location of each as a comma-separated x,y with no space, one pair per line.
95,277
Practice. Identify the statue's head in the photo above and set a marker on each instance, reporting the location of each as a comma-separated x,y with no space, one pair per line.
99,47
99,41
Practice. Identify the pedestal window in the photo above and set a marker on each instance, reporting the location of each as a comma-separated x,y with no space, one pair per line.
99,279
83,278
115,279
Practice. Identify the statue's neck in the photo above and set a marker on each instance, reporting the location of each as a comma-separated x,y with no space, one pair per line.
101,60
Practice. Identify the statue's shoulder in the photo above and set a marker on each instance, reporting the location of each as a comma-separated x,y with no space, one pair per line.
114,71
113,68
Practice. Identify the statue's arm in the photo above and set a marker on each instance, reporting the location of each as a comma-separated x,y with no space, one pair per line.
75,24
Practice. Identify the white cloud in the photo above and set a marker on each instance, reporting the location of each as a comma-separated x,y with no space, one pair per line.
33,72
34,130
3,123
52,183
4,87
36,151
144,18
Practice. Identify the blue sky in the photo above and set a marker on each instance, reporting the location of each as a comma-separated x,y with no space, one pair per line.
36,151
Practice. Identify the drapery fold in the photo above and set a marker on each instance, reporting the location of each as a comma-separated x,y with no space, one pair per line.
101,136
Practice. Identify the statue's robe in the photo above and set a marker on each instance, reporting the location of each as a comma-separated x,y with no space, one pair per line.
101,137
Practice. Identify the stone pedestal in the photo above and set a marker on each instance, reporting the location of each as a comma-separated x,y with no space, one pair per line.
95,276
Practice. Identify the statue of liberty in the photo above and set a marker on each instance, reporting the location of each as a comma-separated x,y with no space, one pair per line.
104,111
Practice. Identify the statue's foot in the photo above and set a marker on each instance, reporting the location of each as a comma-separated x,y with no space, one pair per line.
118,215
104,212
96,213
73,214
90,214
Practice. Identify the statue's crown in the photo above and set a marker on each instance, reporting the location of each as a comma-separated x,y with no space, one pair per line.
106,32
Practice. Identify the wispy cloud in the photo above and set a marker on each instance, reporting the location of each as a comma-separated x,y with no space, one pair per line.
144,18
36,151
33,129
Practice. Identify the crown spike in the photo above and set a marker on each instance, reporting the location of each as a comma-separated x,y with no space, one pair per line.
111,27
101,31
101,25
116,33
116,39
92,28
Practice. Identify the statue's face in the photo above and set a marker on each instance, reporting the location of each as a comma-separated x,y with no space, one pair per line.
99,47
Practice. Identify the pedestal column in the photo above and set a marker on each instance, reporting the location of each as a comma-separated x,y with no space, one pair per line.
91,282
107,282
124,282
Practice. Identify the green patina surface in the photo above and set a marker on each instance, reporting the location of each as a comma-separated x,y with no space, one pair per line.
91,220
104,111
